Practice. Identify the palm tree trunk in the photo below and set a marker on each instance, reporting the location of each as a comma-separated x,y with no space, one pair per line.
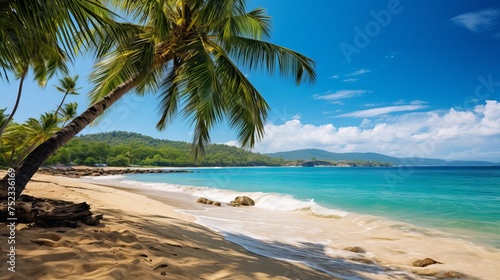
20,90
61,104
36,158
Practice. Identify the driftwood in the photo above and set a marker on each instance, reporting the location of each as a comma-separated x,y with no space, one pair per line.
44,212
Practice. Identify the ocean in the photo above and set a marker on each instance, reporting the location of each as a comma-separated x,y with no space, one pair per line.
300,208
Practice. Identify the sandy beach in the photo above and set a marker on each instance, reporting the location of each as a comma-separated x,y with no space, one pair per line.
139,238
143,236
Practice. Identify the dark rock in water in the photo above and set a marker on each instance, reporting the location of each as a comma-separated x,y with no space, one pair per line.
425,262
244,200
208,201
202,200
234,204
355,249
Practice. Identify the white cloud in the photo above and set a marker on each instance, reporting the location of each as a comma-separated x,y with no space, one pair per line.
297,116
399,102
359,72
382,111
351,80
418,102
391,55
337,102
341,94
448,134
335,77
478,21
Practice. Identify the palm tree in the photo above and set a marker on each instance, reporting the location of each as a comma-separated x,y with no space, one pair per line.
188,52
3,117
42,37
68,112
37,131
130,155
12,143
67,86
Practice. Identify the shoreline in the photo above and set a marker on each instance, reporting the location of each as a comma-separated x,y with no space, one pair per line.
125,203
393,245
138,238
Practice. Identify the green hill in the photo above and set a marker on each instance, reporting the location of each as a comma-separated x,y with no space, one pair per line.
126,148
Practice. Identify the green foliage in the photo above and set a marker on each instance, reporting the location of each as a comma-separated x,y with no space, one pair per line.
18,140
63,156
126,148
194,54
119,160
89,161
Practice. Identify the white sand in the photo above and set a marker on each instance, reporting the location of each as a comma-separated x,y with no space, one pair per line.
139,238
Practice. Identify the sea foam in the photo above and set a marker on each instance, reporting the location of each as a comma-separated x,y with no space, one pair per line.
269,201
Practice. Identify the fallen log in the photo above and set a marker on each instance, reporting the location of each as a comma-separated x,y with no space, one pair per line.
43,212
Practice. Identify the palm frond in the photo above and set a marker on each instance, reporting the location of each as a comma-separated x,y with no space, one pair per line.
256,54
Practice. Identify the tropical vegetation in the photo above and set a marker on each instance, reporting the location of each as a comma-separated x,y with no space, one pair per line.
132,149
44,37
189,53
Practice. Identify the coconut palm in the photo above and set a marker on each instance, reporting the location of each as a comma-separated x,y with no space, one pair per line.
3,117
188,52
68,112
37,131
41,37
12,143
68,87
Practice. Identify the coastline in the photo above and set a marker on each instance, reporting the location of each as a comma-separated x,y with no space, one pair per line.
129,212
138,238
391,246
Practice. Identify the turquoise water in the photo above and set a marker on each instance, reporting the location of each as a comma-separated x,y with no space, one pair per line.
461,200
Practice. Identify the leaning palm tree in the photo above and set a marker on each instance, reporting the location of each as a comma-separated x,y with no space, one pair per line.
188,52
68,87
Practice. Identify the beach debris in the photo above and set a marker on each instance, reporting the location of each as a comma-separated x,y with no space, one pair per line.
51,213
355,249
244,200
234,204
425,262
217,204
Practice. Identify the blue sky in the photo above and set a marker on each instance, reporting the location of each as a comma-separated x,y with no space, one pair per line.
402,78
